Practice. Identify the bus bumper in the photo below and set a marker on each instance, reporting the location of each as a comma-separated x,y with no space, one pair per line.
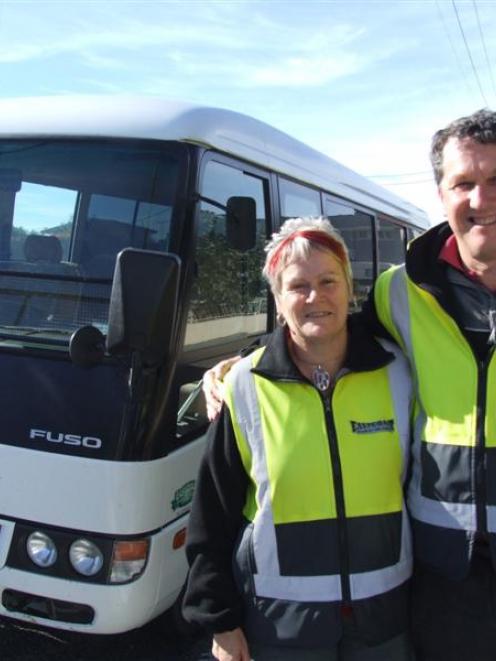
97,608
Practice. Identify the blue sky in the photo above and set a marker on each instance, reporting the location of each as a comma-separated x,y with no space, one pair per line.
366,82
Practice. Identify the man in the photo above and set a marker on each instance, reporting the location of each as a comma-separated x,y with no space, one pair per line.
441,308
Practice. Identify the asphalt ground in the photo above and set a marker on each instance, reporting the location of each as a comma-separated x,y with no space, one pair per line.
21,642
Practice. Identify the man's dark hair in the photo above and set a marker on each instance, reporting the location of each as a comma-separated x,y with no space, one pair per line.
479,127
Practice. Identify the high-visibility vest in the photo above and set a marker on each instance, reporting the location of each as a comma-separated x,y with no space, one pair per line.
327,518
452,493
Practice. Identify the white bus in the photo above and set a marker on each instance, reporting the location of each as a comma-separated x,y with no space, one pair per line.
131,235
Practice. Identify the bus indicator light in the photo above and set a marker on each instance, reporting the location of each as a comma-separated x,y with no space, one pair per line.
179,539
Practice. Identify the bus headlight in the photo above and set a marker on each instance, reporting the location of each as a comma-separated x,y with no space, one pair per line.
85,557
41,549
128,560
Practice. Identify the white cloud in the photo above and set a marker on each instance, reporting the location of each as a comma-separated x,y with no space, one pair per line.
306,71
238,36
109,29
101,62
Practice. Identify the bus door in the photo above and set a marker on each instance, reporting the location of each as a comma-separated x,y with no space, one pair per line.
228,304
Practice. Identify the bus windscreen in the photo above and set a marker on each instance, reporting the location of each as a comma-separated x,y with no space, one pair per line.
67,208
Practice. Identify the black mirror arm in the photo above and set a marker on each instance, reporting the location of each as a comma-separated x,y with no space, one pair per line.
196,197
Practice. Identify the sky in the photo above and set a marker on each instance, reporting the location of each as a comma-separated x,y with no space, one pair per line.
366,82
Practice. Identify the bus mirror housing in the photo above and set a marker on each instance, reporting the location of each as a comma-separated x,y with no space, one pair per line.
241,223
143,304
10,180
10,184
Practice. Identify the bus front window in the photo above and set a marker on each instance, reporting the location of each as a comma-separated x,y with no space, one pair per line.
67,208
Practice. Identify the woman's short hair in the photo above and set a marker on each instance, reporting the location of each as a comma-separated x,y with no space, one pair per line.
294,241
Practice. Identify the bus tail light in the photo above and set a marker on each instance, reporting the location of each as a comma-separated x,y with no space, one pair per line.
128,560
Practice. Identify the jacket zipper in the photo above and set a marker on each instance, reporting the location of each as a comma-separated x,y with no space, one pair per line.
337,475
480,443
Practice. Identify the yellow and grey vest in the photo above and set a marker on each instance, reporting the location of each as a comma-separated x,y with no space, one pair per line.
449,496
327,519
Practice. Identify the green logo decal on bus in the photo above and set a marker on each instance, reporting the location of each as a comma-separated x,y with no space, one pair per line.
183,495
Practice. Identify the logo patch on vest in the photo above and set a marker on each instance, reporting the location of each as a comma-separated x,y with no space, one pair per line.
372,427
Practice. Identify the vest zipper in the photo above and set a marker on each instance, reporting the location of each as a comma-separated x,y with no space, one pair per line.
480,445
337,475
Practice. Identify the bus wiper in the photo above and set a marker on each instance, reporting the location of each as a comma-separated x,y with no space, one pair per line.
29,330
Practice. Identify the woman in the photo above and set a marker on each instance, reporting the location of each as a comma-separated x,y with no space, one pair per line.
299,544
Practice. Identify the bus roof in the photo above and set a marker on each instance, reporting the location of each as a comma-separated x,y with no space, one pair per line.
229,132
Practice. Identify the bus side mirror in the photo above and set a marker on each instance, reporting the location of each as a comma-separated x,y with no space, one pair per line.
143,304
241,223
10,184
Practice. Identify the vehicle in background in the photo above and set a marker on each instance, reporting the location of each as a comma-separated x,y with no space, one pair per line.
131,244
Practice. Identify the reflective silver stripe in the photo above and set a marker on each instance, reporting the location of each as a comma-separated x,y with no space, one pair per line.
446,515
299,588
491,518
400,309
400,386
248,417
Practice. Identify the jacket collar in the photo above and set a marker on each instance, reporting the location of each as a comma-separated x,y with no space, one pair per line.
422,262
364,353
435,275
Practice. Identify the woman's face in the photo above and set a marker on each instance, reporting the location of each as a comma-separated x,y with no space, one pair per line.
314,297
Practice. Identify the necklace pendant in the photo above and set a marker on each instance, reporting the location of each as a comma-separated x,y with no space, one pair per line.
321,378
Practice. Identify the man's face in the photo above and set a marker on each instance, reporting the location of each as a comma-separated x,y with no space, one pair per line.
468,193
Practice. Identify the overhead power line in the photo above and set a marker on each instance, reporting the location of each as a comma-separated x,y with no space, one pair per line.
407,183
476,75
399,174
459,67
484,46
393,178
403,178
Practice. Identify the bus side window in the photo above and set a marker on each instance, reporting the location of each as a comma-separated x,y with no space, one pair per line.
297,201
391,242
229,296
356,229
412,233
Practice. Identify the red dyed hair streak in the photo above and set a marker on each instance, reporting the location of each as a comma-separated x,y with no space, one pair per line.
313,236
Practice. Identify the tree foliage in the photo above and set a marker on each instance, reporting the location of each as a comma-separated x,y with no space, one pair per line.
229,282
